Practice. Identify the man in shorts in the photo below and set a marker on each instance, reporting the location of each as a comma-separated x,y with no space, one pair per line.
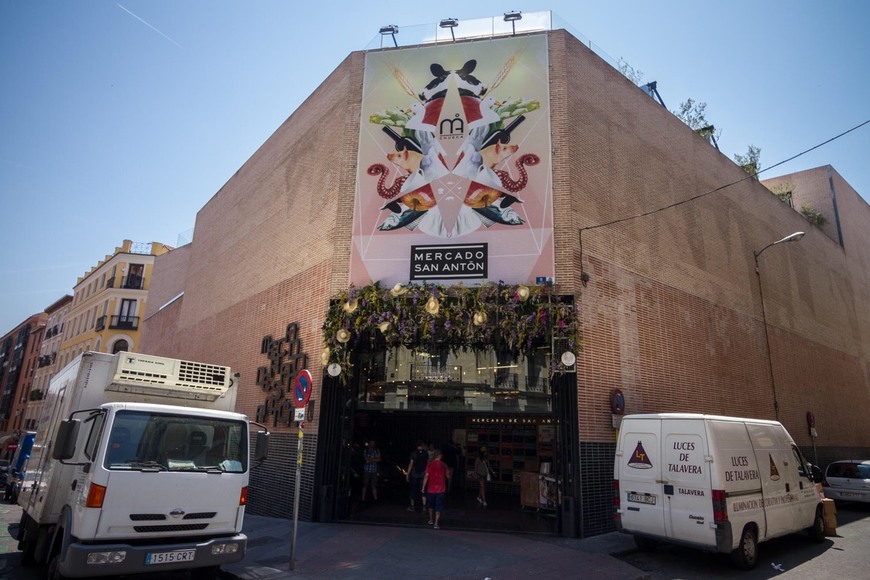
372,457
435,486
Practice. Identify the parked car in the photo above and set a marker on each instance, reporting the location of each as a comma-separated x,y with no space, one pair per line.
15,472
848,480
4,472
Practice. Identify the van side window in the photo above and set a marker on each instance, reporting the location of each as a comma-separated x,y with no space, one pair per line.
801,464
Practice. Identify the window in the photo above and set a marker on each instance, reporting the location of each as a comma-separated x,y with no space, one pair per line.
135,276
127,318
164,442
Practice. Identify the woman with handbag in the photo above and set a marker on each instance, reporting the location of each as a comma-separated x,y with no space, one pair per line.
482,473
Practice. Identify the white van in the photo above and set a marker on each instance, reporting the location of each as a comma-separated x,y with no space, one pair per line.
722,484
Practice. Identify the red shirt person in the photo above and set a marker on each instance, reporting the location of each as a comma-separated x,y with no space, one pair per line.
435,486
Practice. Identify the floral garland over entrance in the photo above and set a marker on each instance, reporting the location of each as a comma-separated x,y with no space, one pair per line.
516,318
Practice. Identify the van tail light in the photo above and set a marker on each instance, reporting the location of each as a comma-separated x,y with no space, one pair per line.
720,511
243,498
616,500
96,495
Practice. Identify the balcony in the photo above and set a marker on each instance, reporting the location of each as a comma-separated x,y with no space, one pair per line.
133,282
45,360
101,323
125,322
36,395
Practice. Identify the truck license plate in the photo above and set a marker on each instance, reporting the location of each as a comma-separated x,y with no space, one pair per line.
642,498
170,557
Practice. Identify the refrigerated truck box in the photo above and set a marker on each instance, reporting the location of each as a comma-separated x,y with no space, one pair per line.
721,484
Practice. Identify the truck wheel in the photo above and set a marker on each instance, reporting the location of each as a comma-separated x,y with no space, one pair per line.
207,573
817,530
52,573
645,544
746,555
25,543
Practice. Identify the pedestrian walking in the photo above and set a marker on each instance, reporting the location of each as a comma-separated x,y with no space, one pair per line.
372,457
482,473
435,484
416,470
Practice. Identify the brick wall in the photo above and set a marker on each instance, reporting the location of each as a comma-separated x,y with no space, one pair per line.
671,313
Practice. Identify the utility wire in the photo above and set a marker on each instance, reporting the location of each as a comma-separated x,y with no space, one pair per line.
727,185
584,277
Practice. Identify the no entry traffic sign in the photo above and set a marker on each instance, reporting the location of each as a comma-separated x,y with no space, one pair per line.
302,388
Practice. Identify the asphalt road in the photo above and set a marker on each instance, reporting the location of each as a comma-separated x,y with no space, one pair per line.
794,557
10,557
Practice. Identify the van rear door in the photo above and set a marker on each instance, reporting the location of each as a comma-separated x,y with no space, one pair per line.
688,508
639,471
773,454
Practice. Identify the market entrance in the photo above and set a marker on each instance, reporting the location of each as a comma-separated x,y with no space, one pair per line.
459,402
521,494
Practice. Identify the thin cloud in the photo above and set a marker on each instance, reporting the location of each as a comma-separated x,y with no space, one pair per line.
149,26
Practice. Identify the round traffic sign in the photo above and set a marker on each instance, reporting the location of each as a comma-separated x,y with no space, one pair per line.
302,388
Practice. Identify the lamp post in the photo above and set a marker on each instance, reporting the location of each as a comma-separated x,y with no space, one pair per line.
790,238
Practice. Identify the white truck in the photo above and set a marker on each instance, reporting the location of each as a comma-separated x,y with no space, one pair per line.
138,465
721,484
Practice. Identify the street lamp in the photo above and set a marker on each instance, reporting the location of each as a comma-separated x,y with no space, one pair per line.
790,238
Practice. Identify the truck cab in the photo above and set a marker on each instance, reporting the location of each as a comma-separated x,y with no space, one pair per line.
122,483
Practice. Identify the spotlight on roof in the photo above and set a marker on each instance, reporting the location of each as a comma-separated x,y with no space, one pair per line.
392,30
450,23
512,17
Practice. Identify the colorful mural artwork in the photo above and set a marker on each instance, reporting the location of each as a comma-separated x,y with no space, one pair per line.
453,180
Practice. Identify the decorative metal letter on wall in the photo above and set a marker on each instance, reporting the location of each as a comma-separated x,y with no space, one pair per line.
286,359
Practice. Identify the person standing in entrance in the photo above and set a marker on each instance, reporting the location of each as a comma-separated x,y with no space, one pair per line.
372,457
435,486
482,473
448,456
416,470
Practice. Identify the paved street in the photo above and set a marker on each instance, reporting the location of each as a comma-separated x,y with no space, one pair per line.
793,557
357,551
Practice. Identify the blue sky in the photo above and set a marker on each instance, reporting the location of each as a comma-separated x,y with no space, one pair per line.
120,120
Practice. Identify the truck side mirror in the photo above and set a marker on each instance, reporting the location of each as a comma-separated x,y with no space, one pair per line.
261,447
65,441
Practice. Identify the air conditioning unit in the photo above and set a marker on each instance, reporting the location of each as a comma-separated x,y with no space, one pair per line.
154,375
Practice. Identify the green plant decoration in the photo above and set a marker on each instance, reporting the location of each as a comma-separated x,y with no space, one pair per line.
813,215
516,318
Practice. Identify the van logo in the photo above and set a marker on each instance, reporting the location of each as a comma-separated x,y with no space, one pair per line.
176,513
639,459
774,472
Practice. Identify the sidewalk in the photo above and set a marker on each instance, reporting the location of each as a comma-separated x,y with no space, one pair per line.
377,551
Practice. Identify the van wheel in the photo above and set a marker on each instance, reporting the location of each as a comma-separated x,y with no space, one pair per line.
746,554
645,544
817,530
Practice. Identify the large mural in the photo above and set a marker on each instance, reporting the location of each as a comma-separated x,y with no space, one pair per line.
454,165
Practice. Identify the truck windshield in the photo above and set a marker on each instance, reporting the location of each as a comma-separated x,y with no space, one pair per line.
145,441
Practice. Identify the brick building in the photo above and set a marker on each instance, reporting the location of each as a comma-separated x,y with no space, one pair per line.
628,215
19,358
48,363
